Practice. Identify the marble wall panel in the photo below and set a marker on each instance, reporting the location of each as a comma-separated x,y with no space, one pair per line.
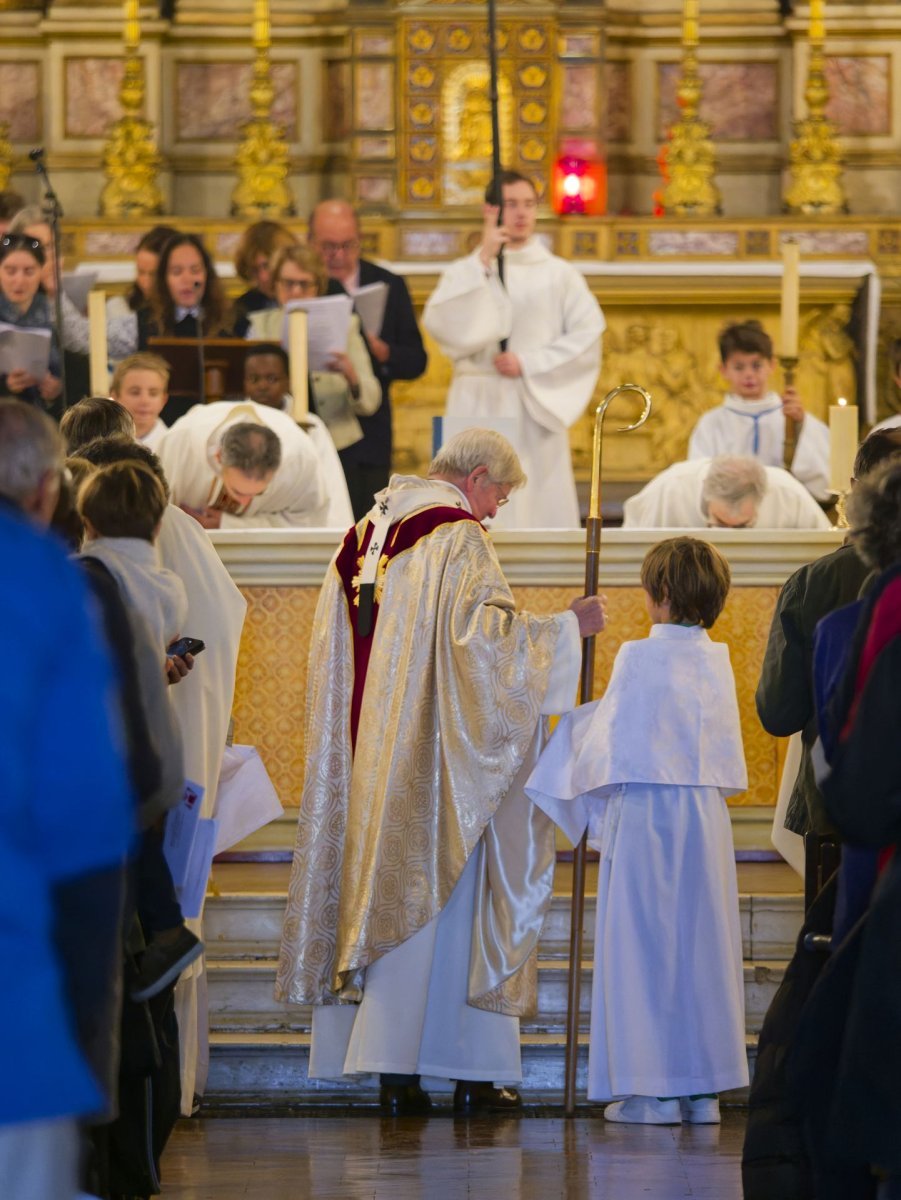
739,100
665,243
212,99
860,99
272,671
374,96
618,112
578,103
92,95
20,100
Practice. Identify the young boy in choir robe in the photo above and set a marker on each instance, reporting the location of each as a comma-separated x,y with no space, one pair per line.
751,419
141,385
646,769
122,507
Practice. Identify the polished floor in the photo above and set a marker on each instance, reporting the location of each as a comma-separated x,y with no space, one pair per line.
525,1158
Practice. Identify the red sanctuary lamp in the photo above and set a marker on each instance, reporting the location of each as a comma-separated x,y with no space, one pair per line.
579,187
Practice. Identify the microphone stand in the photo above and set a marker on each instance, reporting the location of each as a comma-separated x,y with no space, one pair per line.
200,351
54,211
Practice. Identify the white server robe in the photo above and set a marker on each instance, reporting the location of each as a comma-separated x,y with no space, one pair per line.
646,770
554,326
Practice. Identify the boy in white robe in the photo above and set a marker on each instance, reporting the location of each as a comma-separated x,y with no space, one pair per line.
647,770
140,384
539,384
751,419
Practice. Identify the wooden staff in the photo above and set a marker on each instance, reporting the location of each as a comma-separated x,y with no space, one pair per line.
592,559
497,191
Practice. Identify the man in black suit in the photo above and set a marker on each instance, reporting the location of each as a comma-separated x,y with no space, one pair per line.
397,351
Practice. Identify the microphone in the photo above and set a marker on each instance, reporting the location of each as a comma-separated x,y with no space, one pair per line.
36,154
198,288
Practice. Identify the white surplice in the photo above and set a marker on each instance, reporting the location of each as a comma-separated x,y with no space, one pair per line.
757,428
414,1018
672,500
153,439
647,770
554,326
336,513
294,498
203,704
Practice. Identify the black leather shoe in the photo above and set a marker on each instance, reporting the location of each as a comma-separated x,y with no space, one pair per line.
404,1100
474,1097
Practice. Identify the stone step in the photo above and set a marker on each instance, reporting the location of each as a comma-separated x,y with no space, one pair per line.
241,924
267,1071
241,996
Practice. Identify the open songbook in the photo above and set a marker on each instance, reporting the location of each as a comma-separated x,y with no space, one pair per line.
23,349
328,325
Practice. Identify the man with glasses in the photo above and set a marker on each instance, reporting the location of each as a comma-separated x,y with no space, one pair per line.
526,352
422,871
727,492
397,351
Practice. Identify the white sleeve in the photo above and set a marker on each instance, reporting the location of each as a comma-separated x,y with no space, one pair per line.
702,443
121,332
811,462
469,310
564,674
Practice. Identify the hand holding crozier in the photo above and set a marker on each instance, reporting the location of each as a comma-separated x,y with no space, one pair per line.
591,612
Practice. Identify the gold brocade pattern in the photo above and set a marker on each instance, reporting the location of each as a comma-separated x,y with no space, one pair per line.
383,837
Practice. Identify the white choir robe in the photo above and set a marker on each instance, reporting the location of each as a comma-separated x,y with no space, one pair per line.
888,423
336,513
646,769
757,428
554,326
153,439
294,498
672,500
202,703
414,1018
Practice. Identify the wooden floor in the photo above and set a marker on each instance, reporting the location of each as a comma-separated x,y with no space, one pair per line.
524,1158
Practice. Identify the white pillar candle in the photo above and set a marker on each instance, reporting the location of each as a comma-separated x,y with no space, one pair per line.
791,293
297,355
843,436
98,347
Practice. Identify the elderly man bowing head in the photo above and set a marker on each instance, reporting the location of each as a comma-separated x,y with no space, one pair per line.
422,872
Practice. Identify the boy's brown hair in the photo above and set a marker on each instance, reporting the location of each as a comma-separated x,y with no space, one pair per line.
142,361
123,500
746,337
691,576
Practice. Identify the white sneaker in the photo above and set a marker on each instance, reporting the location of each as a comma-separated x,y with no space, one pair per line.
705,1111
644,1110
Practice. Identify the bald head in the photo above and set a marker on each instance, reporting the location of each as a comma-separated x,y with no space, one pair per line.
334,231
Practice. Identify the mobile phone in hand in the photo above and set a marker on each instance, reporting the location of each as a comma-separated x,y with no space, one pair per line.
185,645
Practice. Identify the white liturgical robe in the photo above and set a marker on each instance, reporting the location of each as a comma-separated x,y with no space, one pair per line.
295,496
757,428
554,326
646,769
672,500
153,439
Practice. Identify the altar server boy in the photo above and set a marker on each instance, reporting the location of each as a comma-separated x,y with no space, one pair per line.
647,769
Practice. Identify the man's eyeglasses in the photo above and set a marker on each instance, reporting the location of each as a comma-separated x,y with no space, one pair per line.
330,248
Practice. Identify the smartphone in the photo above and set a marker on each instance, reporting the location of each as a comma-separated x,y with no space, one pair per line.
185,645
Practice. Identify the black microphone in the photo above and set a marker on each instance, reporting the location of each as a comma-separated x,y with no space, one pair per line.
36,154
198,287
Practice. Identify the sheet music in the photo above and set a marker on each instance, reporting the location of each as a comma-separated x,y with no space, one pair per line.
24,349
76,285
328,326
370,303
192,892
181,829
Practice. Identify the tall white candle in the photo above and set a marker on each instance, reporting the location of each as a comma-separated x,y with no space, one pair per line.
791,294
843,436
99,359
297,355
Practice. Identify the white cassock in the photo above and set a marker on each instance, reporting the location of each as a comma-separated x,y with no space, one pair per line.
203,705
336,513
672,500
414,1018
757,428
554,326
153,439
888,423
296,495
667,1004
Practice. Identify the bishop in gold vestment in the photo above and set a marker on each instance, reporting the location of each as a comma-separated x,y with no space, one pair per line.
421,872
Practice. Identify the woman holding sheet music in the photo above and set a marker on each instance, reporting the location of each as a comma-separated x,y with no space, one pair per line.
349,388
30,369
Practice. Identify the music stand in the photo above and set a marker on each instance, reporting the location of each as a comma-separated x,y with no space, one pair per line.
223,361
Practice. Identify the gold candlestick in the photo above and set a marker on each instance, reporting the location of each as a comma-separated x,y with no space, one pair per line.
262,157
130,157
688,161
815,165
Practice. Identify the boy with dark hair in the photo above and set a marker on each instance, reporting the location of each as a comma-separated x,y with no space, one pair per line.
751,420
647,770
